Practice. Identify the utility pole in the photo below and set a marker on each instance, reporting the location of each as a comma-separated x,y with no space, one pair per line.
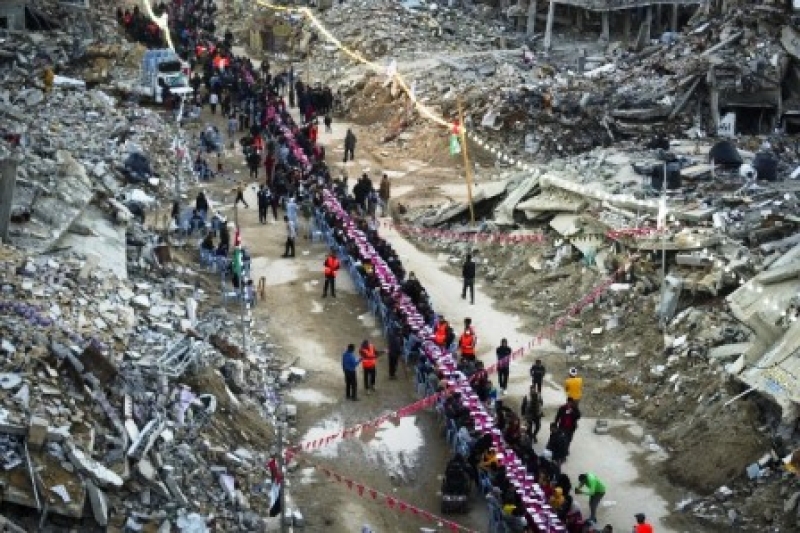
462,133
245,308
281,467
663,204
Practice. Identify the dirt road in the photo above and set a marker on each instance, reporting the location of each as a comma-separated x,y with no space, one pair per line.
404,460
619,458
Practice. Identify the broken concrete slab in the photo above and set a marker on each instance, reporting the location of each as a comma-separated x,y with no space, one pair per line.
99,503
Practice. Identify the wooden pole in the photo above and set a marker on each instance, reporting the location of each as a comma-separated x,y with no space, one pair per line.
8,182
467,166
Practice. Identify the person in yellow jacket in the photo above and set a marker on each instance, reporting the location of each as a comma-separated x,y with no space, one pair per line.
573,385
48,77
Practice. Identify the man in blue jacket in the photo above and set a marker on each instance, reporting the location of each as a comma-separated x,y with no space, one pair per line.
350,363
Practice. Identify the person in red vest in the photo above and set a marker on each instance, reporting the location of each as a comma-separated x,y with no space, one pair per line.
258,143
369,359
269,166
313,133
641,524
274,470
440,333
467,343
331,267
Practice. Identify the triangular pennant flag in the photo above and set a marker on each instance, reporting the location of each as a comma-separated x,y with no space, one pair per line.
337,477
373,493
402,506
452,526
349,484
390,502
360,489
455,145
414,510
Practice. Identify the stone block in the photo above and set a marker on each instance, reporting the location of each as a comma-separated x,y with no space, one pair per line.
99,503
37,432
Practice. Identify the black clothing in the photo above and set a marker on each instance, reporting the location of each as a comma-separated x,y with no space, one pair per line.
289,249
369,378
537,376
558,444
469,284
468,269
350,384
468,276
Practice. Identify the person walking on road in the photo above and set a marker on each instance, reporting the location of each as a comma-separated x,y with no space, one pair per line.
532,412
291,235
642,526
263,204
567,418
369,358
240,196
573,386
537,375
468,276
349,146
396,348
591,485
503,365
349,365
385,193
331,267
558,444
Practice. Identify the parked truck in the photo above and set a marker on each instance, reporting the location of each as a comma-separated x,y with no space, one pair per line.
163,69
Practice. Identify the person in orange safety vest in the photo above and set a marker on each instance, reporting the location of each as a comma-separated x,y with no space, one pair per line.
331,267
440,333
641,524
467,343
369,358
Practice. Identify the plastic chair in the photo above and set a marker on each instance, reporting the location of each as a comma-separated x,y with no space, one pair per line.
451,430
496,522
206,258
486,484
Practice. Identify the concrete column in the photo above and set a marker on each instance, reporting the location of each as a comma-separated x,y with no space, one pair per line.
606,31
8,182
673,20
531,18
579,19
658,22
548,31
626,25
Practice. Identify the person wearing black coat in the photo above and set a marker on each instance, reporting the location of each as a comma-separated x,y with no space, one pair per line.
468,275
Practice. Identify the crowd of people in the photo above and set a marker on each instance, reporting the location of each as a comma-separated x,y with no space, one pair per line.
295,176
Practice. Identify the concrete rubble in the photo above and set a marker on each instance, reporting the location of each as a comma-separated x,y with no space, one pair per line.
111,394
95,412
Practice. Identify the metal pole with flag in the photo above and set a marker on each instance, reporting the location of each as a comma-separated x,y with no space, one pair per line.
237,265
661,225
458,141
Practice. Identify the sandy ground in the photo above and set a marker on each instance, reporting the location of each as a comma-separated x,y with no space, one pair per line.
404,458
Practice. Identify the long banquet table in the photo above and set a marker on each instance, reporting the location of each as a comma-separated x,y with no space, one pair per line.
538,513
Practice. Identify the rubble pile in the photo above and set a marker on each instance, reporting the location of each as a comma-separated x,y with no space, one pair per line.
121,407
538,105
126,386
